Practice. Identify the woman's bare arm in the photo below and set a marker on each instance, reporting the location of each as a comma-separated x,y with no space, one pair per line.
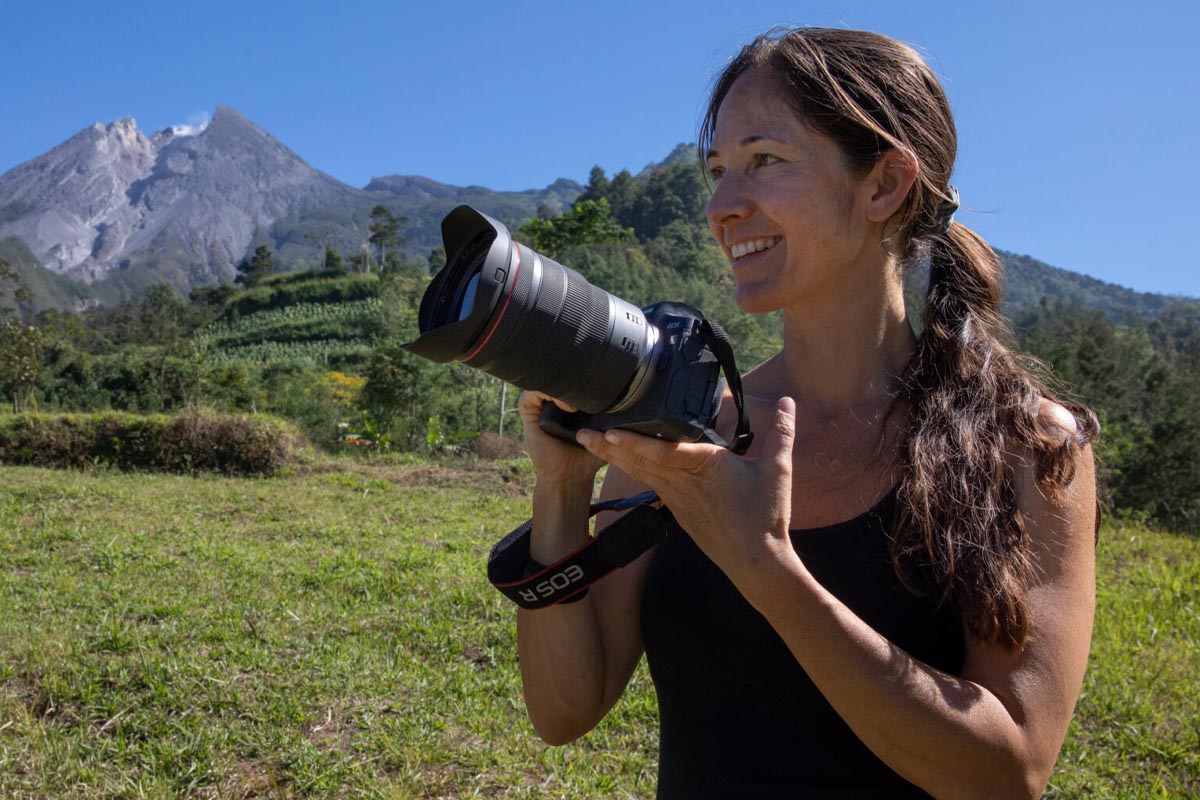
577,658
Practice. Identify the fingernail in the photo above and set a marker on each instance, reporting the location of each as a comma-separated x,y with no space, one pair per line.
584,438
611,437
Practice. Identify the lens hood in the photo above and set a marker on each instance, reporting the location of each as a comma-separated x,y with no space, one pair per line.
475,244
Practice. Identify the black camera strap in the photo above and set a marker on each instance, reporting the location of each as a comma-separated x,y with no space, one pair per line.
531,585
512,570
718,342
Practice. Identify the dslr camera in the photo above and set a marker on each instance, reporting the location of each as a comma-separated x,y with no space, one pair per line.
501,307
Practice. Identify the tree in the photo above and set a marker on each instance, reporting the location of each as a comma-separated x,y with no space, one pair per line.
333,259
210,298
20,362
587,222
163,313
385,227
361,261
597,186
10,282
257,267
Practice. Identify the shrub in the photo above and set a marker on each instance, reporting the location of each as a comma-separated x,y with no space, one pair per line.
491,446
196,441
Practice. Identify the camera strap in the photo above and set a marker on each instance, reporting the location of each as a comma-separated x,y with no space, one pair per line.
512,570
718,342
531,585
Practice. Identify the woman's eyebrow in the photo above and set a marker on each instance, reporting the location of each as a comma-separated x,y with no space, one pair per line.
751,139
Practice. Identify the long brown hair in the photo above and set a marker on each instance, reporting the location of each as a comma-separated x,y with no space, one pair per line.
975,401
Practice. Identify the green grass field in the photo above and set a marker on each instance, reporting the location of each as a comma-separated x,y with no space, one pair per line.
331,634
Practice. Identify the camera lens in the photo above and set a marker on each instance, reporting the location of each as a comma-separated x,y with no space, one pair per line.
501,307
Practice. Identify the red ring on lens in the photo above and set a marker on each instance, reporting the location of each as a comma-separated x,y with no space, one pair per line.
507,299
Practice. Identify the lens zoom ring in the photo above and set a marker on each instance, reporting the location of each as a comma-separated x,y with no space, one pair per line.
579,339
560,372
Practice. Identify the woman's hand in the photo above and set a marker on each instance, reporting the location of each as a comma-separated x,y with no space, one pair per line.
555,462
736,508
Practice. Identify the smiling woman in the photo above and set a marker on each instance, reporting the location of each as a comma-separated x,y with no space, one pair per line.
891,593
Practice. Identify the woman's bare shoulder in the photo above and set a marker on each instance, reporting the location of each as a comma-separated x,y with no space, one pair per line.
1058,505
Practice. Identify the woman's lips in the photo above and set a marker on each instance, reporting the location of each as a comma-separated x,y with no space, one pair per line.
743,251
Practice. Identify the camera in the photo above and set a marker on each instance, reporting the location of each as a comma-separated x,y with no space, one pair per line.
501,307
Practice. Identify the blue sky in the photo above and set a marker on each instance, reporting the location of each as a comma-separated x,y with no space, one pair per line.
1077,121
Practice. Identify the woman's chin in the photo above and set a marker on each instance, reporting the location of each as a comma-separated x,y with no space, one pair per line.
755,300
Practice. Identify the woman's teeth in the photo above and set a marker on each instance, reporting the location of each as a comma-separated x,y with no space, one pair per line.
753,246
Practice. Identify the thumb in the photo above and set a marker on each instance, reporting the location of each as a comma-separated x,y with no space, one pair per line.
779,439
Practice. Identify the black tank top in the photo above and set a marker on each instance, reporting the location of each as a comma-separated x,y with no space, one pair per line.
739,717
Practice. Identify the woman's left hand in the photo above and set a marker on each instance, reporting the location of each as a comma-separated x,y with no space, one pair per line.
736,508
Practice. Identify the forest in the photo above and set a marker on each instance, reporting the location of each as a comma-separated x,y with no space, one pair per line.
320,345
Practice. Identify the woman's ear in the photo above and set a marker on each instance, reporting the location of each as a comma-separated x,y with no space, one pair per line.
889,183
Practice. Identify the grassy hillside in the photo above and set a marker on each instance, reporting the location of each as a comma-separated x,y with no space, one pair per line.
50,290
298,316
331,634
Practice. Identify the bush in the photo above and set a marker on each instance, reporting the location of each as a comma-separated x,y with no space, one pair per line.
197,441
491,446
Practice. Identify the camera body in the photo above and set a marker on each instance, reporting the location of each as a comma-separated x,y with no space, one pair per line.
685,385
503,308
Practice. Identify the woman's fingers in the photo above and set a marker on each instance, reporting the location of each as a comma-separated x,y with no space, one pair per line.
533,401
643,457
782,435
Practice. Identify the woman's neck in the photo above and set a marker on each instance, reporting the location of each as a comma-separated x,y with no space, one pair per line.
848,356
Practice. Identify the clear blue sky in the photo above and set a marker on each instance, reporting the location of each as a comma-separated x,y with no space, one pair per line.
1077,121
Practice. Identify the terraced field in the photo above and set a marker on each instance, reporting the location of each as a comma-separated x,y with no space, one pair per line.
322,332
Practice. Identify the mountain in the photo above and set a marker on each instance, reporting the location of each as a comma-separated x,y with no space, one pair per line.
1027,282
116,209
184,206
682,153
424,202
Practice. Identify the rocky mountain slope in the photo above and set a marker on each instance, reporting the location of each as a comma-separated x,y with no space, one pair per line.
111,197
118,209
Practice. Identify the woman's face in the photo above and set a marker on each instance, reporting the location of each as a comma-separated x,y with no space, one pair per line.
785,208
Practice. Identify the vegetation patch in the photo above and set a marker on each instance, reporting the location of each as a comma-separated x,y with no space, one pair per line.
191,442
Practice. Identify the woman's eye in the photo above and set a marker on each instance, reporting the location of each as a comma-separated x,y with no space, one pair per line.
764,159
715,173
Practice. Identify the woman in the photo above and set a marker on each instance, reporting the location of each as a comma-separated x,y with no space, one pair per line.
891,594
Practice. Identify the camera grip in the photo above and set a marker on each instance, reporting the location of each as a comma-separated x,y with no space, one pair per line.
562,424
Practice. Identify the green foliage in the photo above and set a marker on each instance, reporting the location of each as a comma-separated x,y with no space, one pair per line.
257,267
333,262
12,288
319,290
1027,282
1144,381
21,353
587,222
673,192
46,289
385,228
354,320
197,441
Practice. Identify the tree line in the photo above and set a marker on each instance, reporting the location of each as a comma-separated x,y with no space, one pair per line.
643,238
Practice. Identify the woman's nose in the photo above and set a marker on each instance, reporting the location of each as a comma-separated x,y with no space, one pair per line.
729,204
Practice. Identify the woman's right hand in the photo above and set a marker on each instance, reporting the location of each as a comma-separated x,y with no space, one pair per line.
555,462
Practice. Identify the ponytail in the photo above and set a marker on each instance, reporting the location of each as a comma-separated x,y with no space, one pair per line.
974,402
